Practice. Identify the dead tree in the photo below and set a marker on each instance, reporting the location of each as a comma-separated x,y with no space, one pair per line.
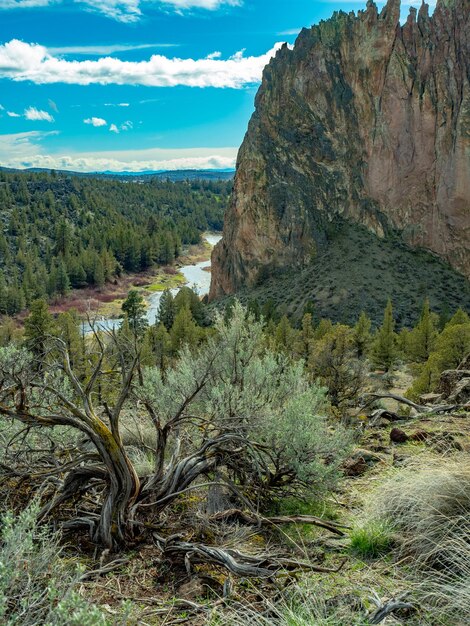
231,411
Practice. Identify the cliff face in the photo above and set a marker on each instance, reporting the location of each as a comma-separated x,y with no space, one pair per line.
366,119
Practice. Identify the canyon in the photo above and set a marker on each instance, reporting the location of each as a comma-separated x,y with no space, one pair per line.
366,121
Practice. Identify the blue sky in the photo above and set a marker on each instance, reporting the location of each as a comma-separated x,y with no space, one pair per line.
137,84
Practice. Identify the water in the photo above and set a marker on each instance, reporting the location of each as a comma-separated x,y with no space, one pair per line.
196,277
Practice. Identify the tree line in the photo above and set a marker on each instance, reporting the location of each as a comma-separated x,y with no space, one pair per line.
59,232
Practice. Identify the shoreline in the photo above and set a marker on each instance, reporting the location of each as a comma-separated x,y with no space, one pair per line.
106,301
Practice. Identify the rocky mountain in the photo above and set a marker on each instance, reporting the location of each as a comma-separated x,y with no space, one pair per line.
365,121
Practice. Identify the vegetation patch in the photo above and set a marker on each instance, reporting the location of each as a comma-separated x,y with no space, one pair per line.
372,539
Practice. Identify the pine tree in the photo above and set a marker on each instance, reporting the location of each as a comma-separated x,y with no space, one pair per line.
3,294
254,309
184,330
459,317
186,297
62,279
135,310
305,339
68,329
384,350
159,344
361,335
284,335
167,309
38,327
268,310
422,338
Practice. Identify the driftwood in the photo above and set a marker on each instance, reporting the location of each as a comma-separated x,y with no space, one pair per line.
423,409
246,565
392,605
238,515
388,415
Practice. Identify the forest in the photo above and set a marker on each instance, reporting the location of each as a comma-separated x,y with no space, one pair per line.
60,232
234,466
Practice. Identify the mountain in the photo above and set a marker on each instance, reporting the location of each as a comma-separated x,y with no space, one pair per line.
364,122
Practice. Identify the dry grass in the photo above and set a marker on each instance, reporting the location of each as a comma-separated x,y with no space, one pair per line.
430,508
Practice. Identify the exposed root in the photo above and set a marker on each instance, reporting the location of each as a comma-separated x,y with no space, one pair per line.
260,566
238,515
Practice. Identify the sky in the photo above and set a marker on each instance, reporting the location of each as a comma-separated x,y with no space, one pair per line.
138,85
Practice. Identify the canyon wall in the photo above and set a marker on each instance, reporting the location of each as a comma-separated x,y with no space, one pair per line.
366,119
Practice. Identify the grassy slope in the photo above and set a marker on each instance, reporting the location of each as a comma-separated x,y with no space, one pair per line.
358,271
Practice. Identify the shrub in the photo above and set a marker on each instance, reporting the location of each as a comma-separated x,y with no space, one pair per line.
36,586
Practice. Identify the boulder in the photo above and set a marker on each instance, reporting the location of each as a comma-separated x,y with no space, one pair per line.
398,436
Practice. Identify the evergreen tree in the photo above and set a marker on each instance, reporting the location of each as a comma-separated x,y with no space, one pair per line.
3,294
268,310
451,347
166,309
422,338
305,338
187,297
361,336
254,309
184,330
135,310
68,329
384,351
38,328
324,327
159,343
62,286
309,308
8,331
459,317
284,335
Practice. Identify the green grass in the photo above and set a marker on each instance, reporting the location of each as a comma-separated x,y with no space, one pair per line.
372,540
167,281
295,506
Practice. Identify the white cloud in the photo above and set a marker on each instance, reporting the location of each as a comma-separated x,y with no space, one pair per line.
290,31
53,105
24,4
13,114
116,104
33,114
2,108
124,10
99,50
127,125
95,121
21,61
23,150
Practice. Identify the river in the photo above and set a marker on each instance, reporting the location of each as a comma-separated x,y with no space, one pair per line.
197,277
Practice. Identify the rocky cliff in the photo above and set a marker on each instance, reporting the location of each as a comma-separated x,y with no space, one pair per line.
365,119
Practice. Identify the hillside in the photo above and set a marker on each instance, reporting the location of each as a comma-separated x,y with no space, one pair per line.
365,119
358,271
59,232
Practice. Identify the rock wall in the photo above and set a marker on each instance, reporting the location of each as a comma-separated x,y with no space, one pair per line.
364,118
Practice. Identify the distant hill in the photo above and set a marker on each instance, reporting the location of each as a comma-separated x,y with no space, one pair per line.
174,175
